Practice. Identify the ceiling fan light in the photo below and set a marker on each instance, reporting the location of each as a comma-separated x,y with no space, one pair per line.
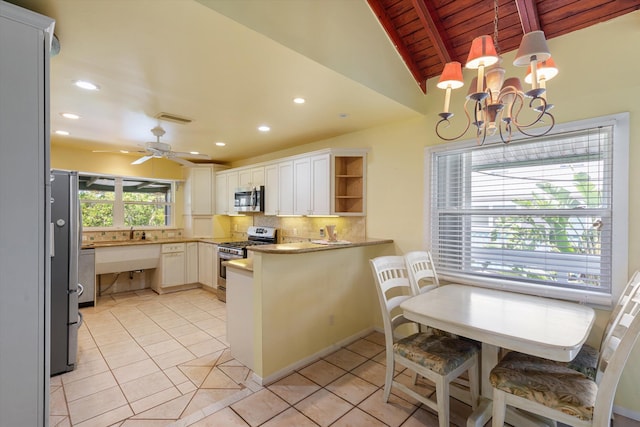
532,46
546,71
482,52
451,76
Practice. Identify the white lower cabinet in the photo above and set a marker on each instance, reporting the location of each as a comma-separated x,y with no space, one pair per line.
172,269
207,264
191,263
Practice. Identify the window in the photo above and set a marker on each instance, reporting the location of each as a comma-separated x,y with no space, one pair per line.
536,214
125,202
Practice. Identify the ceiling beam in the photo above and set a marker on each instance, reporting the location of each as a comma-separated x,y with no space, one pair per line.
528,15
377,8
435,29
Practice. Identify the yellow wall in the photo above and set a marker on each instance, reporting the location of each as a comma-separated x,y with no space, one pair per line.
598,76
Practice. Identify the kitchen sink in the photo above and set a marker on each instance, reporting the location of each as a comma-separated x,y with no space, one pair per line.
116,259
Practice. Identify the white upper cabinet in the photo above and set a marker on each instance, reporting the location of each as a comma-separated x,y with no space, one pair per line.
271,192
285,188
251,177
302,186
226,184
312,195
201,191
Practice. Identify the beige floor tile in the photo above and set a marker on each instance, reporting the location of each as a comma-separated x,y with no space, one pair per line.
206,360
422,418
294,388
372,372
345,359
393,413
55,381
376,337
155,399
204,398
59,421
323,407
197,315
322,372
193,338
195,374
145,386
122,354
366,348
108,418
186,387
423,387
239,374
162,347
225,417
260,407
153,337
96,404
205,347
135,370
146,423
84,370
112,337
173,358
358,418
290,418
90,385
218,379
175,375
351,388
149,328
170,410
183,330
58,404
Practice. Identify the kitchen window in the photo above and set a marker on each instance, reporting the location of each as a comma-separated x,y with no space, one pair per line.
117,202
544,215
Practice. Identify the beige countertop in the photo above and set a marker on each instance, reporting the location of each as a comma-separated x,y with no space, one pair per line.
111,243
242,264
303,247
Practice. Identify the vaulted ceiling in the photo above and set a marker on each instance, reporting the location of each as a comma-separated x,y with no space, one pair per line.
430,33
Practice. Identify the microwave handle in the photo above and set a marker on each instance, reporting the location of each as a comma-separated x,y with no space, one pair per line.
254,198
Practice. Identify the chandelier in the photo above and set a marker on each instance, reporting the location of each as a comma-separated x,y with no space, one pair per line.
494,104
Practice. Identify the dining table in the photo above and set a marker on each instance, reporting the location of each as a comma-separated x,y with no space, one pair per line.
500,319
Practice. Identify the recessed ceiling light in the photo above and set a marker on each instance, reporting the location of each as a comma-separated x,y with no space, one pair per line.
194,152
70,116
221,144
62,132
86,85
343,115
124,151
299,100
264,128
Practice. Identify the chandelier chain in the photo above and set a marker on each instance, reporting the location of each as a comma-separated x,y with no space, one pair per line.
495,26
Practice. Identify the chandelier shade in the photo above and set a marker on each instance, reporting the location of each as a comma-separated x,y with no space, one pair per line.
482,53
532,47
546,71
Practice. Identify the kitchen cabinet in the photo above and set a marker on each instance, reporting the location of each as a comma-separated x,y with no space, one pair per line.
251,177
285,188
25,194
226,185
348,181
207,264
312,194
200,200
271,192
171,268
191,263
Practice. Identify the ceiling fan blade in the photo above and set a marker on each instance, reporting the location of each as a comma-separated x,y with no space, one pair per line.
141,160
183,162
191,155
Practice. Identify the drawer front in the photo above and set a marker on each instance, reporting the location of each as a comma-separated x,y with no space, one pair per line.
172,247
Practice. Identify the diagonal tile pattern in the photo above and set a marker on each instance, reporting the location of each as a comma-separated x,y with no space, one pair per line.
148,360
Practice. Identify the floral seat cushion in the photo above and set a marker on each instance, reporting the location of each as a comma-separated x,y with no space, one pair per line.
586,362
547,382
439,353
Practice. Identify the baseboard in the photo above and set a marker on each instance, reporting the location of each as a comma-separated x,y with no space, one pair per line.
634,415
314,357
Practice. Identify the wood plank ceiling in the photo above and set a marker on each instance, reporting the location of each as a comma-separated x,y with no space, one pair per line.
430,33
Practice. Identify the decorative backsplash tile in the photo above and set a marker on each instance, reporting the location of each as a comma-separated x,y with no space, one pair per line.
118,235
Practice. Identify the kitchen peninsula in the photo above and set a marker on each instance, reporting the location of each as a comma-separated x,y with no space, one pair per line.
291,303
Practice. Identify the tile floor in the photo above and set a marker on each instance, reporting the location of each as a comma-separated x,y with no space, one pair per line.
147,360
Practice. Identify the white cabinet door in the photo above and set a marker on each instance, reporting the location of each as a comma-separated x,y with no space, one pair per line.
271,190
222,198
285,188
207,264
172,269
191,262
302,186
251,177
232,185
201,183
321,184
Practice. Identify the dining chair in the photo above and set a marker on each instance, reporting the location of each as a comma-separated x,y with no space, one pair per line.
440,359
422,272
560,393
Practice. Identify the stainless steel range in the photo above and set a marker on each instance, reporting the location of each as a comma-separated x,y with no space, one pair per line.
238,250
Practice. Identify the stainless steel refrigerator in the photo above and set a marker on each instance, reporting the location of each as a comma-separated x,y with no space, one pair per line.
66,235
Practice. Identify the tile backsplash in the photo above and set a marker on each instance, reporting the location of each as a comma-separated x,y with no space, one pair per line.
117,235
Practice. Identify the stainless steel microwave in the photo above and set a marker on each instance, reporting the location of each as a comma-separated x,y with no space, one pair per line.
249,199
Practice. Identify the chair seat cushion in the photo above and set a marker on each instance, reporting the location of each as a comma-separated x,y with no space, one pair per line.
547,382
439,353
586,362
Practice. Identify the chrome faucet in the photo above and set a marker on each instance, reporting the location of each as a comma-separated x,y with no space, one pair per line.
131,234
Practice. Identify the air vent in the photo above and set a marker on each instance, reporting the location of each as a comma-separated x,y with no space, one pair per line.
173,118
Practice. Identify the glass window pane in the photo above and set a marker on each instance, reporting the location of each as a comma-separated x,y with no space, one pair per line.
137,215
97,214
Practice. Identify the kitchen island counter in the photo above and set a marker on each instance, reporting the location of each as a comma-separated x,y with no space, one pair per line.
314,246
110,243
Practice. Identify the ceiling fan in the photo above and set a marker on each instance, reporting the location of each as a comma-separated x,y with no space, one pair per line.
161,149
